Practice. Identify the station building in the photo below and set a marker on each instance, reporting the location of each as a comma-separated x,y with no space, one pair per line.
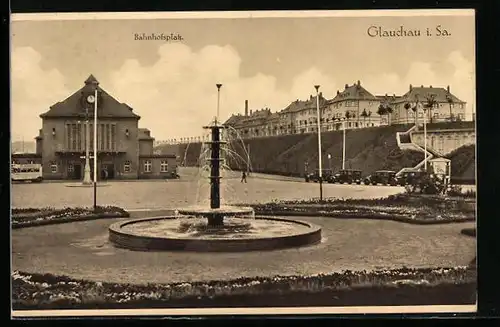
124,151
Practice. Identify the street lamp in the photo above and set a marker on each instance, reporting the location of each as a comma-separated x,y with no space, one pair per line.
330,161
320,166
343,143
218,102
425,138
95,149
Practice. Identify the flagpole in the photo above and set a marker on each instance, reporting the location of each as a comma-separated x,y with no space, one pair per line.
95,150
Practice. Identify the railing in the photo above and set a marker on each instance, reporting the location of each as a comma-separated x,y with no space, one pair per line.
413,146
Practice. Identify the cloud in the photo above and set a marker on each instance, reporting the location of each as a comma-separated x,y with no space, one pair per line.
461,80
34,90
177,94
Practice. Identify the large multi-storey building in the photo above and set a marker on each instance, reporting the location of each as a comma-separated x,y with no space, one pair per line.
124,150
445,105
353,107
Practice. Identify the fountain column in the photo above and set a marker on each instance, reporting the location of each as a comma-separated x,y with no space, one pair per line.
215,168
215,218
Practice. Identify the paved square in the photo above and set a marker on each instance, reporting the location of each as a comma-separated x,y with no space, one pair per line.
188,190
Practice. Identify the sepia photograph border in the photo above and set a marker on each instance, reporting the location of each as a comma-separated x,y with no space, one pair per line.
246,311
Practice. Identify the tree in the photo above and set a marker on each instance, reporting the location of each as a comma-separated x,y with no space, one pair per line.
407,108
385,108
429,104
381,110
364,114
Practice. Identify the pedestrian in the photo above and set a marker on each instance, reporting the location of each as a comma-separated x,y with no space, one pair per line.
244,177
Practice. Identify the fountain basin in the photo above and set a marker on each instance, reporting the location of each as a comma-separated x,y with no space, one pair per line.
225,211
192,234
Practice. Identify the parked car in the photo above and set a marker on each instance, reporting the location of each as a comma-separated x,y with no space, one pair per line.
384,177
410,177
348,176
314,176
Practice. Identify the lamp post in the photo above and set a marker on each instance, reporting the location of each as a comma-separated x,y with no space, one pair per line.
320,166
218,102
95,149
425,139
343,144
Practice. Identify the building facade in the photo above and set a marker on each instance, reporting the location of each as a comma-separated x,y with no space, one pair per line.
124,151
353,107
445,106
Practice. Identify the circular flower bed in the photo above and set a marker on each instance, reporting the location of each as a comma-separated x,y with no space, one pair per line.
401,207
40,291
27,217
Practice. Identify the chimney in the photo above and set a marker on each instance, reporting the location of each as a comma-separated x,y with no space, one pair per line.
359,83
421,86
346,86
338,92
320,94
250,112
448,89
411,87
246,107
430,86
310,97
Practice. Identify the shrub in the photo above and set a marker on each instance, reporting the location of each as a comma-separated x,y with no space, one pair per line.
31,217
456,190
39,290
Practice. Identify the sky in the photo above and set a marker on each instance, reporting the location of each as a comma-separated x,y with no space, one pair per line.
268,61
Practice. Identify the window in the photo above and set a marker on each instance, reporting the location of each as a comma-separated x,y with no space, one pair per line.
71,168
53,168
126,167
164,166
147,166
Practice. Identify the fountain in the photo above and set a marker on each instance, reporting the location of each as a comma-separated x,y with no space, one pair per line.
227,228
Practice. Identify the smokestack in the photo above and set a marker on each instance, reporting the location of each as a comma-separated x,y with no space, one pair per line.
246,108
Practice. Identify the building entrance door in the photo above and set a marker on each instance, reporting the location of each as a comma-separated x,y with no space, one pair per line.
77,171
110,168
